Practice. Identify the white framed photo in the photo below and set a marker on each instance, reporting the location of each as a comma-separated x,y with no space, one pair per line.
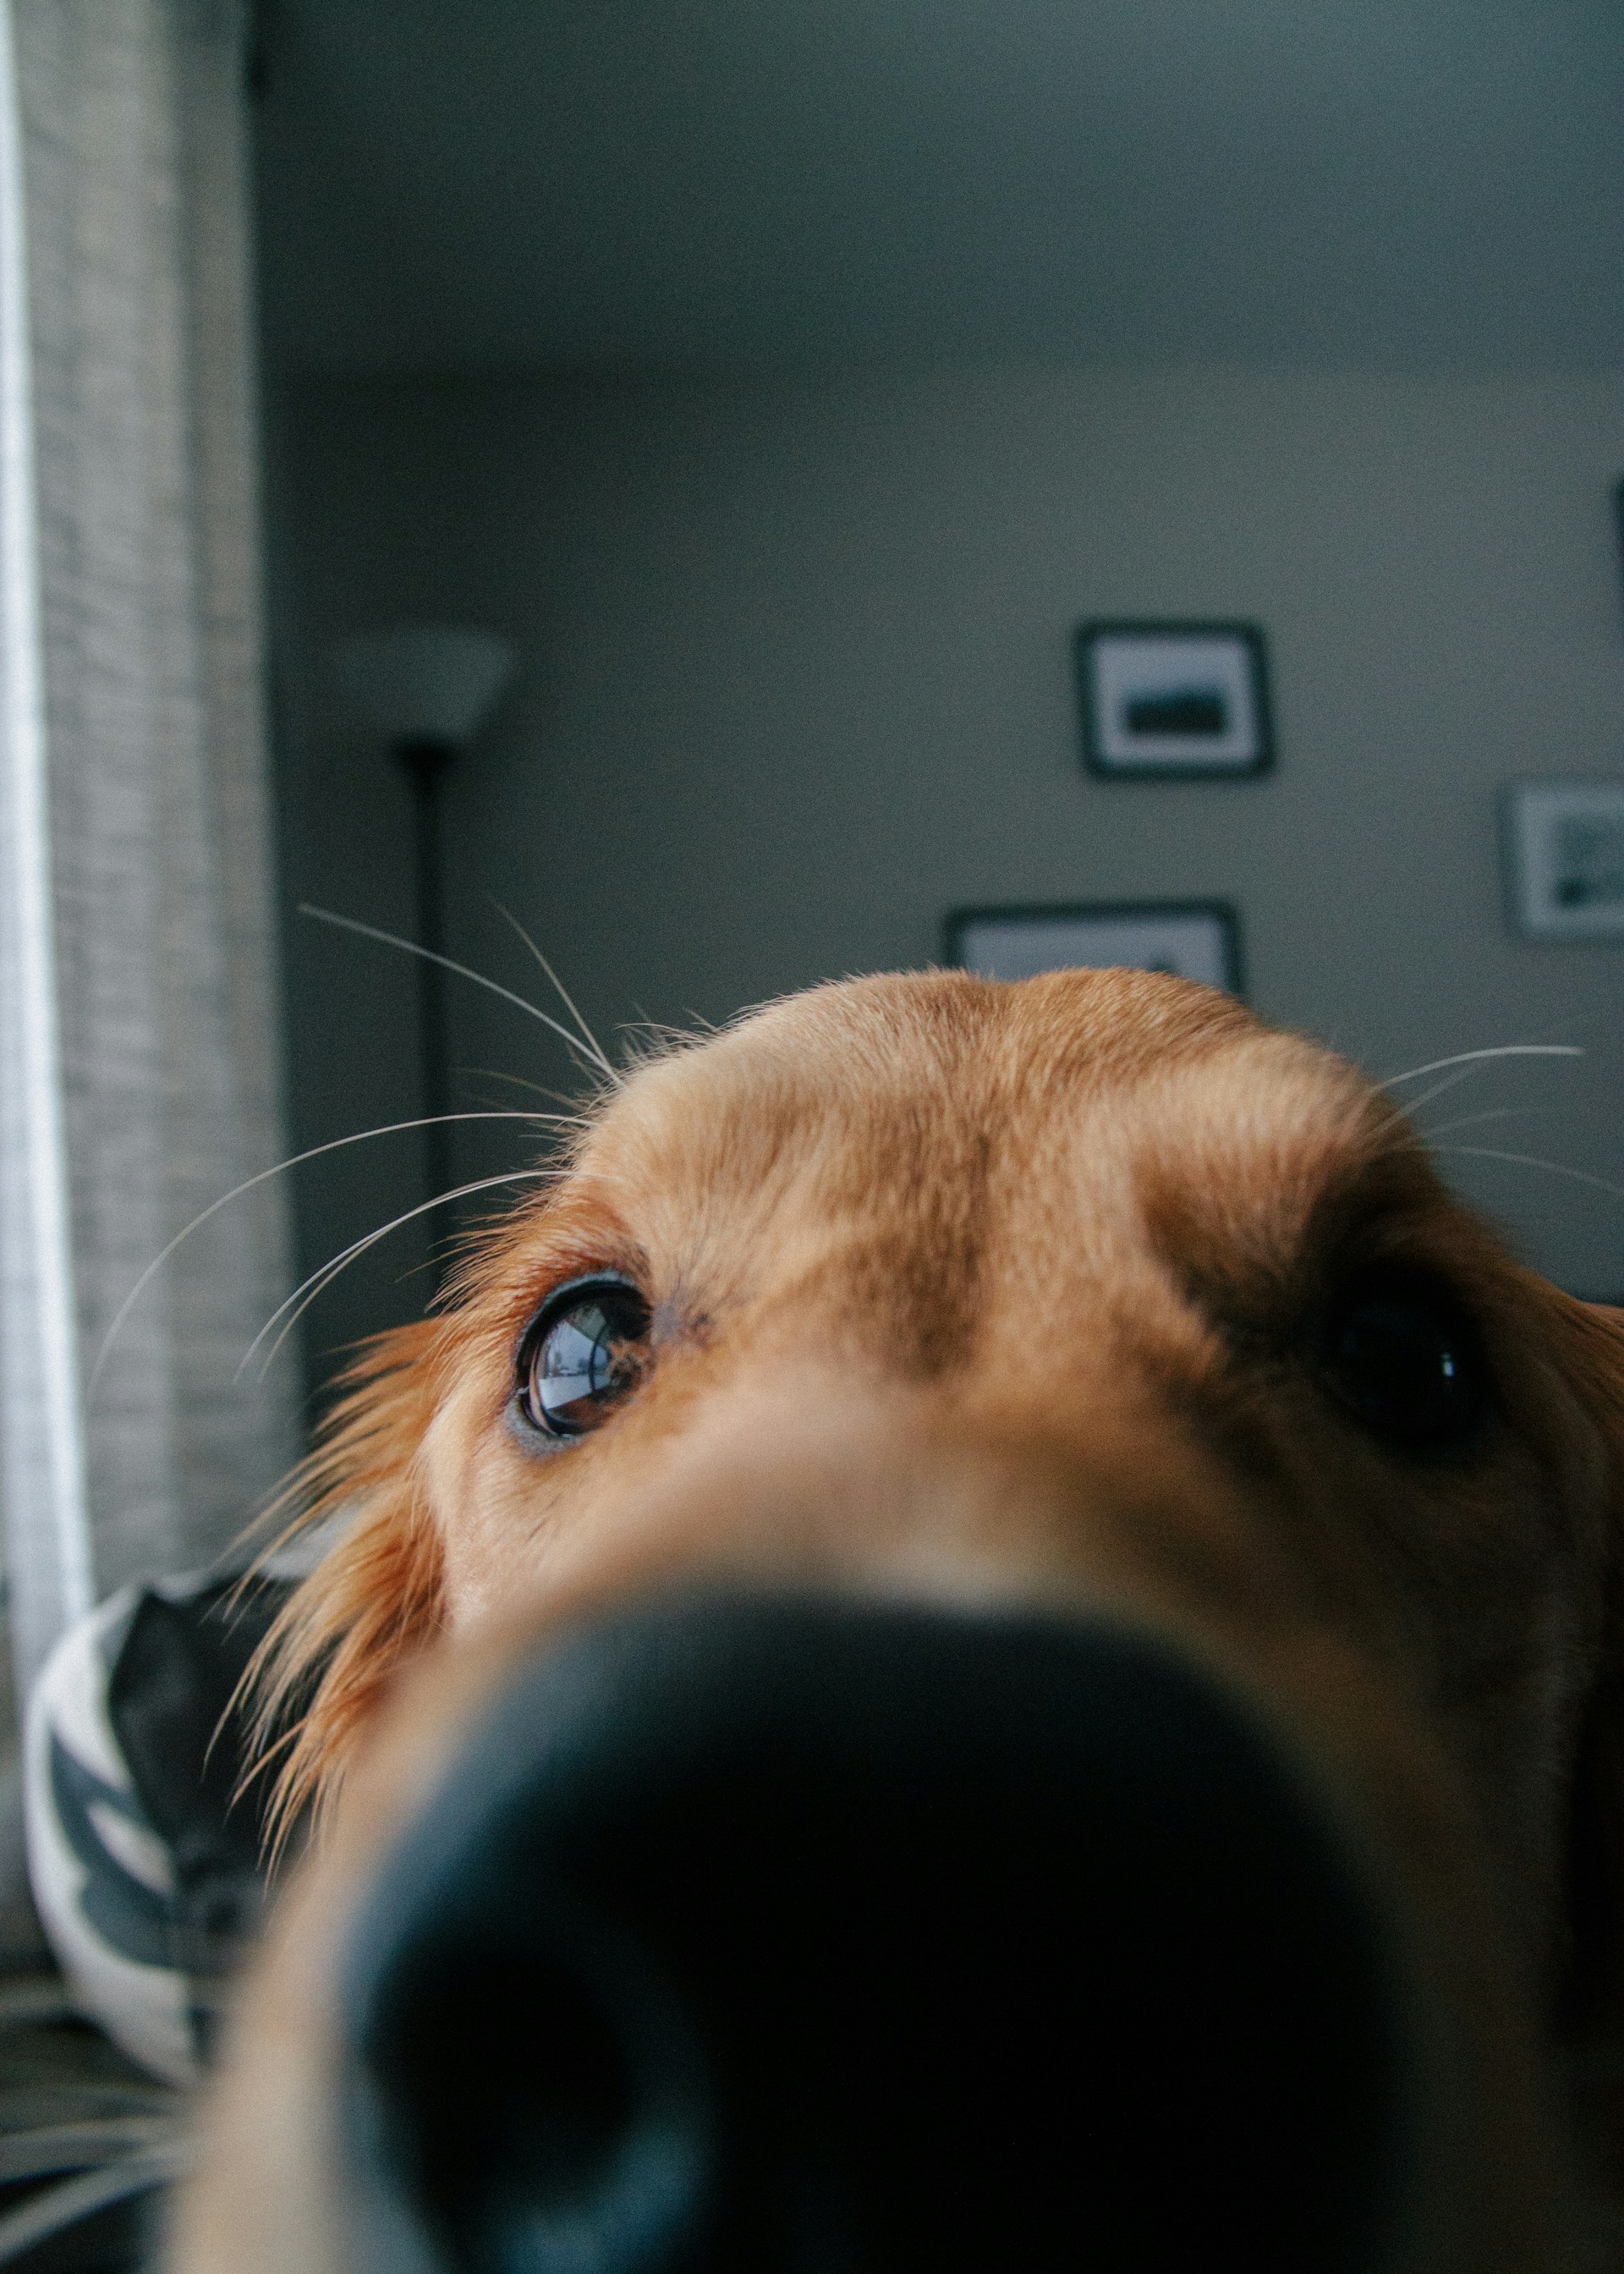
1161,699
1564,844
1195,939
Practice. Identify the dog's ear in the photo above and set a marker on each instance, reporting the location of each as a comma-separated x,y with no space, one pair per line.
374,1597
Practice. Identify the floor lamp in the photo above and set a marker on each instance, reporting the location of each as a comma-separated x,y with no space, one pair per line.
427,693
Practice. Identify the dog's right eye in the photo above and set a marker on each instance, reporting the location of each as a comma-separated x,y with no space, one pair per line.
582,1355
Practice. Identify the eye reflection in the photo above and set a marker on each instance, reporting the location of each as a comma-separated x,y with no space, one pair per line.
582,1356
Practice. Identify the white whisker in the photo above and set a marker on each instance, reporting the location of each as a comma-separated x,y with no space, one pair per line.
410,947
1470,1121
536,1089
1533,1161
332,1145
1473,1057
1450,1081
563,993
306,1294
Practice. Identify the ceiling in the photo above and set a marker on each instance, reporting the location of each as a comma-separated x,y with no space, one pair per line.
1425,184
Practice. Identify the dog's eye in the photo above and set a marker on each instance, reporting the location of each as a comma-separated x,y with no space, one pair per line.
582,1355
1404,1354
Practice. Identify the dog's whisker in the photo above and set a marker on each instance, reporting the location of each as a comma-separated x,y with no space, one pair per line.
1440,1089
1450,1081
306,1292
462,971
1534,1161
1468,1120
537,1090
1473,1057
1465,1074
563,993
321,1281
294,1160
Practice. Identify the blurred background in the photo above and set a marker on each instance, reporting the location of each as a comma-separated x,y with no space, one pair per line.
787,383
741,408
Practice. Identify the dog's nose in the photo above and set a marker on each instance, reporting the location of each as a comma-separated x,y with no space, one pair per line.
844,1939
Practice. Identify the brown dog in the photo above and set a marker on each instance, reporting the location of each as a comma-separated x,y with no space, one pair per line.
1074,1390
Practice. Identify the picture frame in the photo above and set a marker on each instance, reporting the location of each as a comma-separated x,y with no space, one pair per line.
1563,844
1180,700
1196,939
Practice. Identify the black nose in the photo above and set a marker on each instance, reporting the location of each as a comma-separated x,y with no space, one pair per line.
840,1940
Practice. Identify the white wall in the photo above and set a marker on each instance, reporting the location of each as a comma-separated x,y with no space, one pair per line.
797,680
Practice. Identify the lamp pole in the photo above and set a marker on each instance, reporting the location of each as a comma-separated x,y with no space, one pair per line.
425,759
426,692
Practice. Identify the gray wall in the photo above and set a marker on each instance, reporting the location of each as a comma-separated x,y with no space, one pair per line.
796,681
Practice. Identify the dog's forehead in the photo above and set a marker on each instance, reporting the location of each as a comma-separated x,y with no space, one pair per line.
862,1091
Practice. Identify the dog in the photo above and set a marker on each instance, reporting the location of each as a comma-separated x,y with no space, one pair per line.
986,1633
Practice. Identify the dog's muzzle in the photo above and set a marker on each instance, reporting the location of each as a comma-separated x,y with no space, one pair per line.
825,1938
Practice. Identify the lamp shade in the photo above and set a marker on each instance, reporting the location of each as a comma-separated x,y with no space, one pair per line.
427,685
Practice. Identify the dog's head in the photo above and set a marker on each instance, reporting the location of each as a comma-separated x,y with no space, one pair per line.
1029,1606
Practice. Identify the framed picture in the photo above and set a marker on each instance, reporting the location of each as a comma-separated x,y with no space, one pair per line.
1165,699
1564,845
1196,939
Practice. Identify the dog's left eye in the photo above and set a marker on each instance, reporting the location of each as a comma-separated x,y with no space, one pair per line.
582,1355
1404,1354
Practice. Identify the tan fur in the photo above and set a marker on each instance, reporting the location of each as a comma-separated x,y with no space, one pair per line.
987,1293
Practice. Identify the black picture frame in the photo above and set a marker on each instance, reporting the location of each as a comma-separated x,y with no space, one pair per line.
1101,924
1202,700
